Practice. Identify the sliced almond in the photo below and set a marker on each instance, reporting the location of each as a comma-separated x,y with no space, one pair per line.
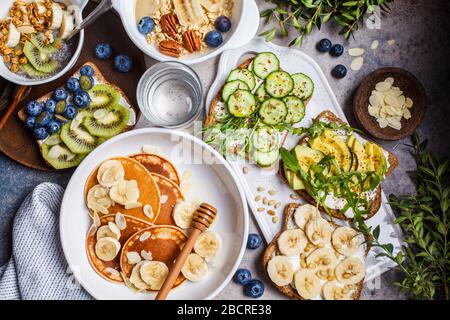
133,257
148,211
144,236
356,52
375,44
121,222
132,205
357,63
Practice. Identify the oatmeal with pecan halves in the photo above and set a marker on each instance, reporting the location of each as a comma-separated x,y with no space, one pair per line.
181,27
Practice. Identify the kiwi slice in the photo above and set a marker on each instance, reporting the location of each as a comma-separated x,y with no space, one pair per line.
59,156
40,61
31,71
103,96
78,139
38,40
107,123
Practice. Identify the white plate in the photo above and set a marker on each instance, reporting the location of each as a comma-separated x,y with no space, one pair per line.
293,61
212,181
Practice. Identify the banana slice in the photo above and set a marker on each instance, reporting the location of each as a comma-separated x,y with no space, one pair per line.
125,192
136,279
98,199
154,273
182,214
304,214
13,36
291,242
280,270
67,25
195,268
189,12
318,231
212,5
346,240
110,173
350,271
107,248
109,230
208,244
333,291
306,283
57,16
322,259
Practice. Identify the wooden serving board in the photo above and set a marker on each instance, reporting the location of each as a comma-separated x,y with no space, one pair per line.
17,141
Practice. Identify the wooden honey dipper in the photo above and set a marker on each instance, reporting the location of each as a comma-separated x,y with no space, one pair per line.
201,221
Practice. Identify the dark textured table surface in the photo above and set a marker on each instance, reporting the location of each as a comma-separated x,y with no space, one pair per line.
421,30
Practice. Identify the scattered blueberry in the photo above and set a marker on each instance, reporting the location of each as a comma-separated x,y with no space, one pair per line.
87,70
254,288
70,112
40,133
86,82
81,99
242,276
146,25
44,118
324,45
50,105
254,241
213,39
60,118
123,63
337,50
60,94
73,85
34,108
53,126
30,122
103,51
223,24
339,71
60,106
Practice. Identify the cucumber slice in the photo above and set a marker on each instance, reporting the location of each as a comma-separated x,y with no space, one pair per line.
243,75
261,93
265,63
266,159
241,103
295,108
303,86
273,111
279,84
231,87
265,139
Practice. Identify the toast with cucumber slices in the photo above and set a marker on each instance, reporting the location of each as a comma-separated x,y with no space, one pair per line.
250,113
337,169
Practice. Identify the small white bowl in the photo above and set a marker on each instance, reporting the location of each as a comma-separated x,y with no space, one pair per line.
15,78
244,19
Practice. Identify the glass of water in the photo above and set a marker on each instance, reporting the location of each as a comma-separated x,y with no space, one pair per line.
170,94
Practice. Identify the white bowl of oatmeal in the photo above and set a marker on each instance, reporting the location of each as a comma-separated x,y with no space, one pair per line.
39,27
243,14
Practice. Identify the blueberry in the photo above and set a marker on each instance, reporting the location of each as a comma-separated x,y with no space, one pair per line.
73,85
53,126
70,112
123,63
223,24
40,133
146,25
324,45
254,241
339,71
60,106
60,118
44,118
81,99
34,108
60,94
254,288
103,51
86,82
337,50
30,122
87,70
213,39
242,276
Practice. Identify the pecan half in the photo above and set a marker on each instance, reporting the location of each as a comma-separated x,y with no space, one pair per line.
170,48
192,41
169,24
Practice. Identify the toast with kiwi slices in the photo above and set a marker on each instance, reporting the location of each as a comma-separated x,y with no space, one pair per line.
333,149
312,258
71,121
249,115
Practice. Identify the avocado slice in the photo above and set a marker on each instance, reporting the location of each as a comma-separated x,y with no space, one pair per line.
295,182
331,144
306,156
362,158
377,161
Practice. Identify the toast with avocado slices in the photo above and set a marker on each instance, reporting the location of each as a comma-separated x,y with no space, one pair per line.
338,170
302,268
249,115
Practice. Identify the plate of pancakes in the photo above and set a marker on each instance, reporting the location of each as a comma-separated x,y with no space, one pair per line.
126,215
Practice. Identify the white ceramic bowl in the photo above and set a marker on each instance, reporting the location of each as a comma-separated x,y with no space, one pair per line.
15,78
245,22
212,181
